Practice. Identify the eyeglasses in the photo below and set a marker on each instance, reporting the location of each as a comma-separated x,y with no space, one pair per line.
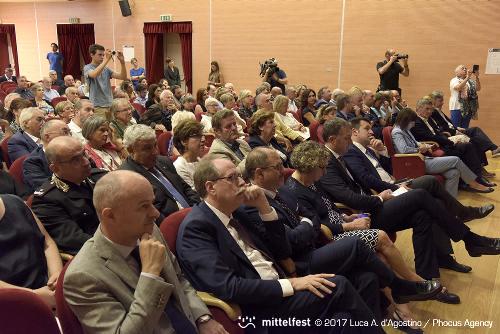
279,166
235,177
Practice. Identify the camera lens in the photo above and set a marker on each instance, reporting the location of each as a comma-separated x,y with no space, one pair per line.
113,53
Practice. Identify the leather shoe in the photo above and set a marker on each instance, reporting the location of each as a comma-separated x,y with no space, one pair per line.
484,210
424,290
487,246
472,190
452,264
485,182
447,297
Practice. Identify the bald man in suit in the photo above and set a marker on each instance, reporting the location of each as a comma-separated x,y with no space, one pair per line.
125,279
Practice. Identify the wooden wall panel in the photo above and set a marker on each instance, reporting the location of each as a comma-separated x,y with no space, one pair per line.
303,34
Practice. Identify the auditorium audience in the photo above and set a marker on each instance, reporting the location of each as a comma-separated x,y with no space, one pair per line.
415,209
325,113
55,80
324,96
291,93
451,167
171,192
83,110
286,123
246,106
36,167
72,94
38,92
65,111
142,94
189,142
64,203
423,131
201,96
187,102
102,149
212,106
29,259
69,81
8,75
226,144
178,94
16,105
48,92
263,102
122,117
128,264
307,102
229,247
262,131
154,92
228,102
27,139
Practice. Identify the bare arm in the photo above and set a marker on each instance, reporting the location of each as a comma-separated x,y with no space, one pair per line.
98,70
478,84
406,69
384,68
123,71
463,83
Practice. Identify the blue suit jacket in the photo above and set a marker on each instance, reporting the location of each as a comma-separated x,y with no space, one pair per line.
213,262
36,169
20,144
364,171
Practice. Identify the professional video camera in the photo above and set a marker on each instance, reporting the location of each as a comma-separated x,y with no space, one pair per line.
271,64
401,56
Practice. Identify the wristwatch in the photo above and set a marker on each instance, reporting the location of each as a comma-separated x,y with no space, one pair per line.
204,318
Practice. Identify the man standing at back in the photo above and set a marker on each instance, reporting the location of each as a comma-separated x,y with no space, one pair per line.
97,74
55,59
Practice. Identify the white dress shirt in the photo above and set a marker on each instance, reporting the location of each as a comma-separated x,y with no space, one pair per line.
386,177
263,267
76,132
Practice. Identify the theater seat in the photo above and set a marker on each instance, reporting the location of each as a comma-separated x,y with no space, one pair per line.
313,130
225,313
16,169
24,312
56,100
140,109
163,141
209,138
69,322
5,151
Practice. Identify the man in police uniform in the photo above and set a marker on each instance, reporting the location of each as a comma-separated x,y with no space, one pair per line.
64,204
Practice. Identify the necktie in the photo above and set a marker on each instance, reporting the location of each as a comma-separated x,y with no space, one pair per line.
292,215
235,147
170,188
374,156
180,322
243,234
354,183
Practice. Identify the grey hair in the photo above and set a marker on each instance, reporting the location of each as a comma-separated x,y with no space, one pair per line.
91,125
67,90
26,115
137,132
117,103
333,127
47,126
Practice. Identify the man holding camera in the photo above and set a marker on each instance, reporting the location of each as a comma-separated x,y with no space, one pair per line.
275,76
98,75
389,70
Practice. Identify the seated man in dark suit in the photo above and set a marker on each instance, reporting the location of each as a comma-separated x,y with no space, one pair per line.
344,107
265,170
9,75
478,138
369,164
416,209
125,280
424,131
234,253
27,140
64,204
23,88
171,191
36,169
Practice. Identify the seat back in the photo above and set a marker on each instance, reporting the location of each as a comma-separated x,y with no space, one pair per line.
16,169
56,100
298,115
140,109
170,226
287,172
313,130
7,84
387,138
163,141
209,138
198,115
69,322
5,151
24,312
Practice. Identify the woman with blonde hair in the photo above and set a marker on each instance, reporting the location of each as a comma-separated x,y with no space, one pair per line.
38,101
286,123
246,106
65,111
325,113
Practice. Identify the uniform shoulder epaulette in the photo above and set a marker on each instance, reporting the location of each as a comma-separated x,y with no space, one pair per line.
44,189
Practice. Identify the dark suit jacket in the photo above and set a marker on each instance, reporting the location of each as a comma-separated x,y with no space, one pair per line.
69,217
164,201
173,77
213,262
422,133
341,188
36,169
3,78
20,144
365,173
255,141
442,124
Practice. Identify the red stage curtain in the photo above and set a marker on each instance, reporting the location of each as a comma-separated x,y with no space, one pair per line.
187,59
4,52
153,33
10,29
73,39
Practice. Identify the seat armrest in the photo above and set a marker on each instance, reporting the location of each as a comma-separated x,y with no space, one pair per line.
408,155
233,311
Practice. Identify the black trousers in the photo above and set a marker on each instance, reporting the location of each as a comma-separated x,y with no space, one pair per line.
481,142
417,209
344,303
352,258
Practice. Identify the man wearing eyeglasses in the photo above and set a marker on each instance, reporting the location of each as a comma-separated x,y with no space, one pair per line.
64,204
36,167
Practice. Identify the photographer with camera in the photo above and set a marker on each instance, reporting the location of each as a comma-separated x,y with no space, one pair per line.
271,73
389,70
97,75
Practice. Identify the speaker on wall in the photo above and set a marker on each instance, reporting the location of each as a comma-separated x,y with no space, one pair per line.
125,7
